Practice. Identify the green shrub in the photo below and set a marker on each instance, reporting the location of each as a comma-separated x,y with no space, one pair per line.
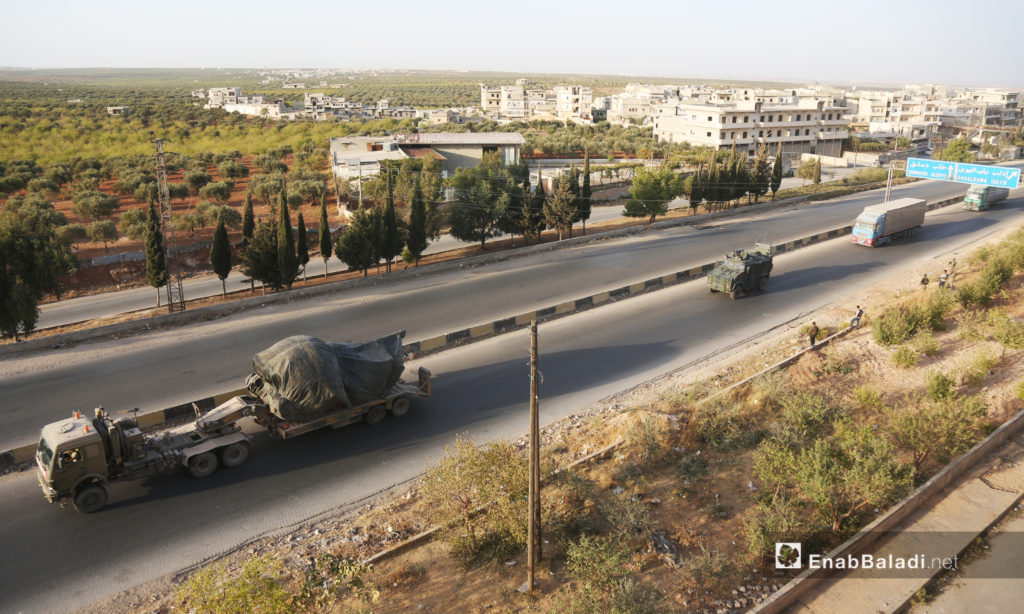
867,397
647,439
975,371
1007,331
257,589
938,386
808,414
776,520
627,517
468,477
838,361
725,427
904,357
328,578
925,343
1019,390
597,564
970,324
898,324
938,306
691,468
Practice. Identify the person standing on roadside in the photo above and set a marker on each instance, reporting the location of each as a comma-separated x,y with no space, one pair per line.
924,282
943,278
855,322
813,333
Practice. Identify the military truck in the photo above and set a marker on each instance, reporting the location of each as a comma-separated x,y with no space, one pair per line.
742,272
79,458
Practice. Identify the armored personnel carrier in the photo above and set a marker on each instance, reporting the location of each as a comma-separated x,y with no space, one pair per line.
742,272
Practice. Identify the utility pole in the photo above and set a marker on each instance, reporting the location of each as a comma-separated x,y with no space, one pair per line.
534,551
175,294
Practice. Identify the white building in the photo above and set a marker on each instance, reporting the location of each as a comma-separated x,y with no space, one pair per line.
804,126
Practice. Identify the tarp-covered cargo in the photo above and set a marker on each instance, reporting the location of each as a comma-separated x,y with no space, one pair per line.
302,378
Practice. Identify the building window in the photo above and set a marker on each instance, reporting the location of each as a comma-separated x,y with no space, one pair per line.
760,133
746,118
734,119
744,135
798,117
709,118
709,134
807,131
721,136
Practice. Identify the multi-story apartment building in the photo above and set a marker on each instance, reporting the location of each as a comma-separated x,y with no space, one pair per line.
574,103
219,96
806,125
516,102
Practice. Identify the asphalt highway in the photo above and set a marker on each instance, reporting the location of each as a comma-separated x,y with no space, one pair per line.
157,526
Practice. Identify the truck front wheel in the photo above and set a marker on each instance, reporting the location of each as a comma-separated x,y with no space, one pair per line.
737,292
235,454
90,498
202,465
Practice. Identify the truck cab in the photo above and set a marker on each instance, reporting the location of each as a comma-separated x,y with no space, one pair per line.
71,462
868,227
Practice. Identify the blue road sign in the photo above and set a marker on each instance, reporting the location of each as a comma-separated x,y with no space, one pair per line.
976,174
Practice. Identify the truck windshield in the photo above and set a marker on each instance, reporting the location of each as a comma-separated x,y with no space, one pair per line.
45,452
867,228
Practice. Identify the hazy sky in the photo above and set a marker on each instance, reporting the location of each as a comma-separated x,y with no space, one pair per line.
889,42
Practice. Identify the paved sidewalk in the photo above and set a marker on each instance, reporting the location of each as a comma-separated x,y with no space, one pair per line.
958,514
985,585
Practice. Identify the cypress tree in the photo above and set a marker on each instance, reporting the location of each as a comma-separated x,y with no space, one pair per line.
286,261
416,241
585,192
697,190
560,209
259,261
156,265
761,176
325,233
248,222
776,180
301,248
391,245
536,222
220,254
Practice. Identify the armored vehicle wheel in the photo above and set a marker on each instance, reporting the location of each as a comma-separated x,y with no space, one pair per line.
235,454
90,498
375,414
737,292
202,465
400,406
762,283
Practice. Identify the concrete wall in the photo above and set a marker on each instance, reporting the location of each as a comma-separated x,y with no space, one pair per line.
459,156
827,161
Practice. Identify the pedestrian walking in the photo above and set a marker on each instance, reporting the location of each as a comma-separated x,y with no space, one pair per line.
813,332
855,322
924,282
943,278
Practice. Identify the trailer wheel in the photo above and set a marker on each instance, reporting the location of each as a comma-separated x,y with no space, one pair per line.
202,465
375,414
235,454
400,406
90,498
